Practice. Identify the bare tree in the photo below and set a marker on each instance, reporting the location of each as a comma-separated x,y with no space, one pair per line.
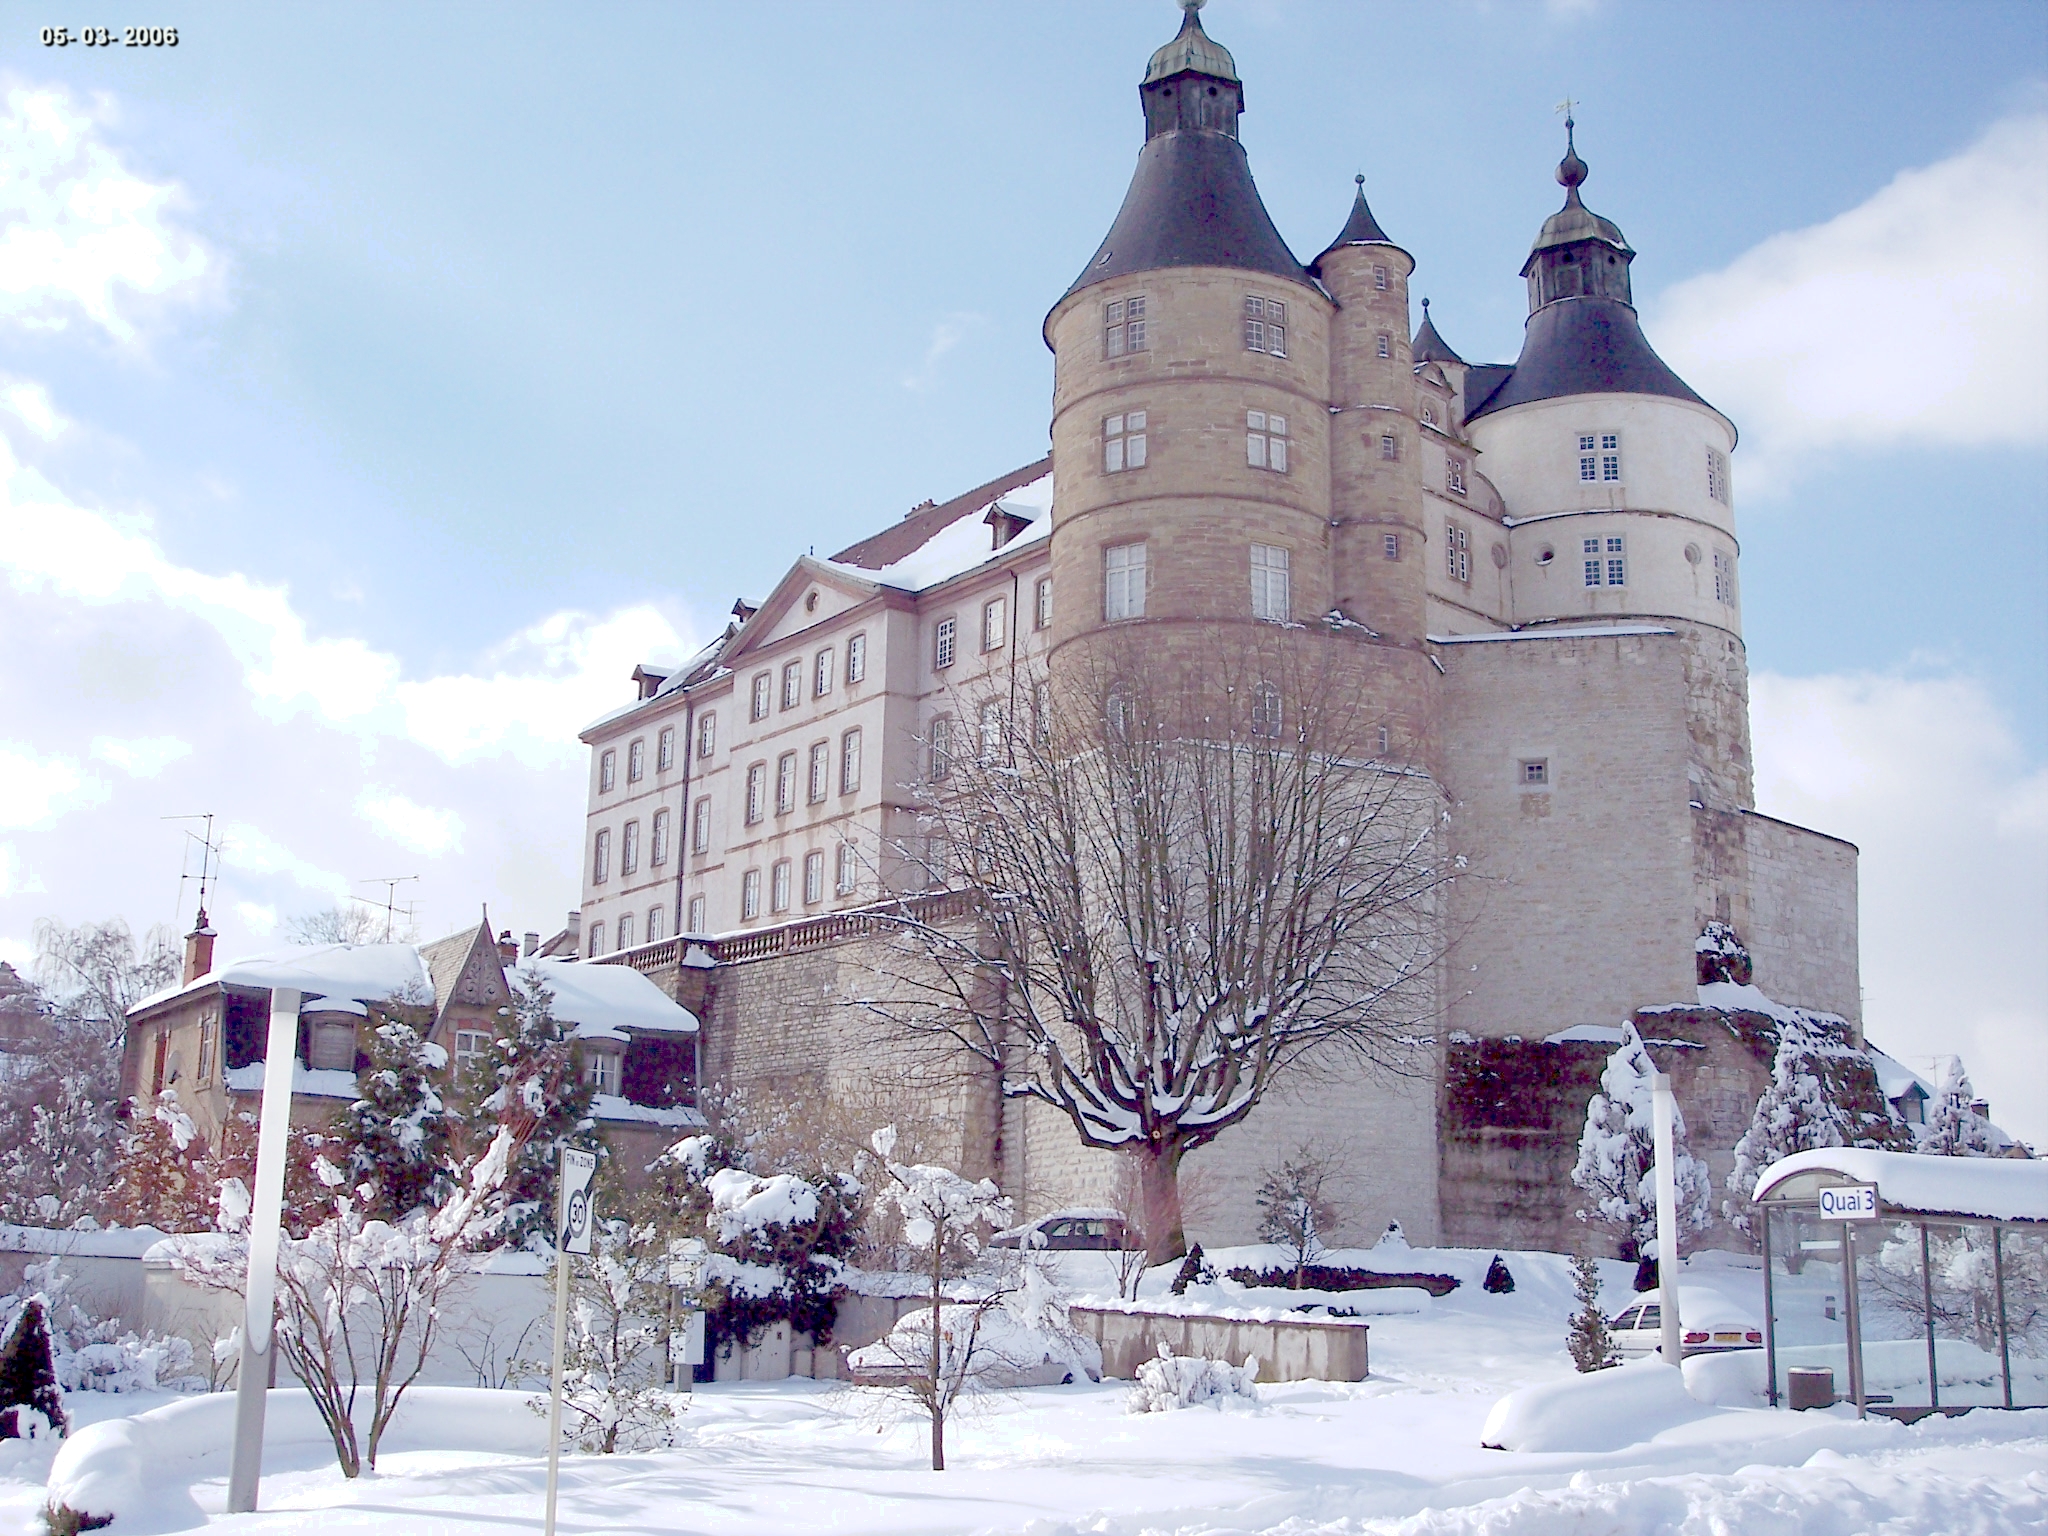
1296,1208
1183,892
96,972
355,923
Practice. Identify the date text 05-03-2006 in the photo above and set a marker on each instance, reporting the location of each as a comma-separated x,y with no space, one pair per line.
111,37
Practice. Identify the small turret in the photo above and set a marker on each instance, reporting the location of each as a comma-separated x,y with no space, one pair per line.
1192,82
1429,347
1577,253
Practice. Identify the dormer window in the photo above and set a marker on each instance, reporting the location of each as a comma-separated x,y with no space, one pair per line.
1123,326
601,1068
1265,326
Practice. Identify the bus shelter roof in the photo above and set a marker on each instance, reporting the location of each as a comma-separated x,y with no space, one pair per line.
2003,1189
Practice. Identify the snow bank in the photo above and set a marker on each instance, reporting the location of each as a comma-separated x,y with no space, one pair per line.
1180,1381
1603,1411
103,1242
601,998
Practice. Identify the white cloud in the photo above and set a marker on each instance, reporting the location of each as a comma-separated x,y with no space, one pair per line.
31,403
946,335
1926,777
80,232
143,757
256,917
1916,317
404,821
35,791
16,879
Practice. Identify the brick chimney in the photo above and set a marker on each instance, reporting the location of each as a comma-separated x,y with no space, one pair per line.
199,948
532,945
508,951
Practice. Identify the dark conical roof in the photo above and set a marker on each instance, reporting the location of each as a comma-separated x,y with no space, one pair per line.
1429,346
1361,228
1584,346
1191,203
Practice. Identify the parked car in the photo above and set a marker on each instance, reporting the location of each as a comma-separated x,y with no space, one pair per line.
1067,1232
1712,1324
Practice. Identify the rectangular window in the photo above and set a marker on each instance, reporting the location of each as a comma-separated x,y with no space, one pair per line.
665,751
1043,615
657,924
1379,278
636,761
625,930
1724,578
856,658
1454,474
757,792
1123,442
995,624
707,734
1123,326
472,1046
1610,456
849,762
596,940
943,635
820,780
1123,582
1390,546
1717,475
942,746
629,848
601,1068
1386,344
696,914
658,853
990,720
1041,714
845,869
785,784
1390,447
1606,560
1269,583
1535,770
601,858
814,877
205,1075
1265,440
792,684
778,886
763,684
1617,564
821,672
1457,553
750,895
1589,460
1265,326
1385,740
607,773
700,825
1265,710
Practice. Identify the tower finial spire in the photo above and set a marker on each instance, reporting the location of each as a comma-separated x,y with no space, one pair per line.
1571,170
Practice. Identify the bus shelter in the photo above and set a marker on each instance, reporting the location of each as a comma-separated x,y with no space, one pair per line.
1904,1283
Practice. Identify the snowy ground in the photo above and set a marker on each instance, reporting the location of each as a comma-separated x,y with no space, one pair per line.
1399,1452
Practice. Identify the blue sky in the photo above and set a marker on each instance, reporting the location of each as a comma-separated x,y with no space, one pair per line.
385,380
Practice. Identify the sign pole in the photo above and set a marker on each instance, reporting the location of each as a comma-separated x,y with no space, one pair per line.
1673,1343
572,1236
266,1217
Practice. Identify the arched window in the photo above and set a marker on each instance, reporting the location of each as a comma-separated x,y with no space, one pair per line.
601,857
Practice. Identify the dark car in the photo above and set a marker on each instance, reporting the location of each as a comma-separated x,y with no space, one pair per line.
1067,1232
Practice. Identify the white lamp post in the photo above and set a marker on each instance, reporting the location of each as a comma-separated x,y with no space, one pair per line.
266,1214
1667,1220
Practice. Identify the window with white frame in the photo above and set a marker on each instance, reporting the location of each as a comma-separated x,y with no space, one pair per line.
629,848
1589,456
596,940
1265,440
1390,546
990,721
856,658
657,852
1717,475
1606,560
204,1074
1123,582
757,792
1265,326
1123,326
1390,446
818,782
1724,577
1269,583
472,1047
823,666
1265,710
636,760
845,869
707,733
625,930
1386,740
601,857
750,895
778,886
601,1071
1534,771
995,623
657,924
849,762
1123,442
792,684
941,738
1457,552
945,635
607,773
1454,474
665,750
1610,456
1379,278
764,685
697,913
814,877
785,784
1043,615
1384,344
700,825
1600,456
1041,713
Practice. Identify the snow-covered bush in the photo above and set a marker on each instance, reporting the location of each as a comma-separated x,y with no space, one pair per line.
1617,1166
1954,1128
615,1393
91,1354
1591,1348
1194,1270
394,1139
1719,955
159,1170
530,1084
1189,1381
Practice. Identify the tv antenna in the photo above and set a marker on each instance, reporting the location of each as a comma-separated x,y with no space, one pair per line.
209,861
391,883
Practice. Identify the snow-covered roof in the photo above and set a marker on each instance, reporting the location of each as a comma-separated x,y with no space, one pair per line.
363,973
606,1000
964,543
1989,1188
1895,1078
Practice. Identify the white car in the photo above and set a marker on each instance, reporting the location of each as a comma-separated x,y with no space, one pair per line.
1712,1324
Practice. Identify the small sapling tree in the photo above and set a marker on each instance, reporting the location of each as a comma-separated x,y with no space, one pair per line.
1590,1346
395,1138
1295,1207
615,1393
530,1084
1954,1128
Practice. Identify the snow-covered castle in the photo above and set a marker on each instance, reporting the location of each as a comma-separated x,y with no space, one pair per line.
1530,569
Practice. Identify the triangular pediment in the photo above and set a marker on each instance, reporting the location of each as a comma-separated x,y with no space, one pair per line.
812,593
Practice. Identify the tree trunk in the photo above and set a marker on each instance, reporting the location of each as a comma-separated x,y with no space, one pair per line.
938,1384
1166,1237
